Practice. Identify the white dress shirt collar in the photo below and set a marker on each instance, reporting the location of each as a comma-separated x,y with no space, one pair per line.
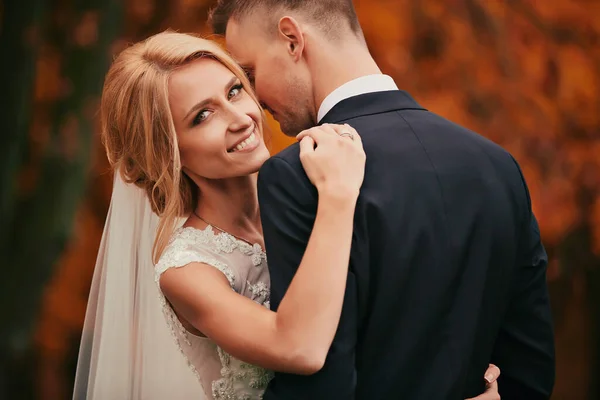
358,86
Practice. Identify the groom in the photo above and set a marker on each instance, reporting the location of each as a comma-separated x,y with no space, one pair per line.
447,270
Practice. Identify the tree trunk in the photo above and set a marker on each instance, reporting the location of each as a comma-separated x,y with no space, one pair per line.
19,39
593,292
42,220
18,49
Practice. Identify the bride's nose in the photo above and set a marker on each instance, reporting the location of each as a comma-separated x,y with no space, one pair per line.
240,121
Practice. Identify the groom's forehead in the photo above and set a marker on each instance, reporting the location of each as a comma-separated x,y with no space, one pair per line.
252,24
241,37
235,40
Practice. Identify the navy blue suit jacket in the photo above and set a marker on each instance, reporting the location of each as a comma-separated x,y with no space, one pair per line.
447,269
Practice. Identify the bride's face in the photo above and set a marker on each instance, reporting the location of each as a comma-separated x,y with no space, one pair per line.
218,125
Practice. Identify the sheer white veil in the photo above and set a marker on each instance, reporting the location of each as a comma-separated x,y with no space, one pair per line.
127,350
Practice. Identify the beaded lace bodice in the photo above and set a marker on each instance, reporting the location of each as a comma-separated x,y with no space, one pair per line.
245,267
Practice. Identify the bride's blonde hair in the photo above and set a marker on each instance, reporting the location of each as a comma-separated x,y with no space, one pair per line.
137,126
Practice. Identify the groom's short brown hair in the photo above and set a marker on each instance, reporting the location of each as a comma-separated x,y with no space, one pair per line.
326,13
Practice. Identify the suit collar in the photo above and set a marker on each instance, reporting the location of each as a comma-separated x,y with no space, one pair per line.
369,104
362,85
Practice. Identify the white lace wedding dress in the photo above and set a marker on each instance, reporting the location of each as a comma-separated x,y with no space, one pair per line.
245,266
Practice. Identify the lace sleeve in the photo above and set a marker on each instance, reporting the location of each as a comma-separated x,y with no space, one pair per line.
179,254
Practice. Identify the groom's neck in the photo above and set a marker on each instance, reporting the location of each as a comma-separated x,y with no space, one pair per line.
332,66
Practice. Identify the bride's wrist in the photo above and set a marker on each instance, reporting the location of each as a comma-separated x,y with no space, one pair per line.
338,197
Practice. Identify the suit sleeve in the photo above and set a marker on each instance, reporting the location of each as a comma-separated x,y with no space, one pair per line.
524,349
288,204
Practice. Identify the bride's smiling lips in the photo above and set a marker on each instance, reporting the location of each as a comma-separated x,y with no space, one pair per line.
247,143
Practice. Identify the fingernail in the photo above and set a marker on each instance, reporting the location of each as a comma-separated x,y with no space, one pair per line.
489,378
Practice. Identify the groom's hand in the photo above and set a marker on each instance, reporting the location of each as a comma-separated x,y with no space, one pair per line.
491,391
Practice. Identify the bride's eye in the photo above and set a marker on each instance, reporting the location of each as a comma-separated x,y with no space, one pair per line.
201,116
235,90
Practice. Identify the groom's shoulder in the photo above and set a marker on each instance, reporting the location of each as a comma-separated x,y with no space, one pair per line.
281,163
284,170
290,155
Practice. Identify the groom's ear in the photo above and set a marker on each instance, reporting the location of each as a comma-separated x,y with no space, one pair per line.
291,32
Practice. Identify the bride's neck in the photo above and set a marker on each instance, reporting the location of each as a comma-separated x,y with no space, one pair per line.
230,204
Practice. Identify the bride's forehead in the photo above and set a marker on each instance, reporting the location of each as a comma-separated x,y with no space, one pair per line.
200,81
203,72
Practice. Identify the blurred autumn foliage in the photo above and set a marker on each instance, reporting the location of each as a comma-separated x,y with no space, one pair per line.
524,73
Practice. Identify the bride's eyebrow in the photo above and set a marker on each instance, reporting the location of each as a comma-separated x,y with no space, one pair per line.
205,102
231,82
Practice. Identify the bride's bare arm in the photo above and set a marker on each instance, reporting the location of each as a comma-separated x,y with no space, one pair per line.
297,337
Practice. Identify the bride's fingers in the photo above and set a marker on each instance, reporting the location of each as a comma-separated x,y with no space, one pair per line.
316,133
491,377
322,132
330,129
331,132
355,136
491,393
307,145
492,373
492,387
343,130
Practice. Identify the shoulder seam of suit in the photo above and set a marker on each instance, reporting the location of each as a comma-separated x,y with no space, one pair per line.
437,175
304,179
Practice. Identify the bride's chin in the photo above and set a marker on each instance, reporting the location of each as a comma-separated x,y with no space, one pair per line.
261,157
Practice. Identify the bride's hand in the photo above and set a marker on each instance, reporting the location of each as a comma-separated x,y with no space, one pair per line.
491,392
334,159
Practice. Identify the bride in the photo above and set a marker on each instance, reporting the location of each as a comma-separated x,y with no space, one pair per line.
179,305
